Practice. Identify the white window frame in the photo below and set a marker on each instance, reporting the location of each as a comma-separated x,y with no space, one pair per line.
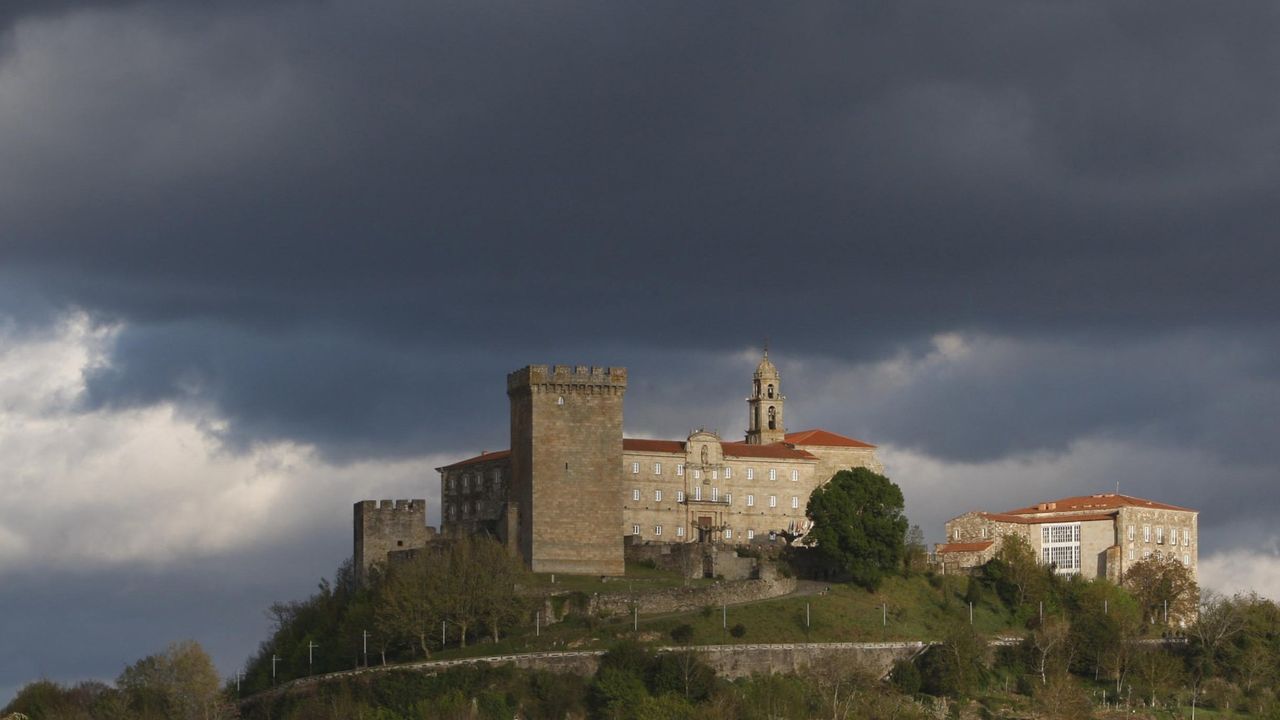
697,474
697,492
751,534
657,496
680,470
773,501
1060,546
1186,559
751,473
795,475
773,474
1159,534
679,496
728,473
728,533
1186,538
1132,533
751,500
635,494
715,494
657,468
657,531
635,468
679,531
635,529
1146,533
1173,536
795,502
955,534
728,498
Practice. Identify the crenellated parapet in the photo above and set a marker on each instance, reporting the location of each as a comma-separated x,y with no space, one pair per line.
386,526
561,379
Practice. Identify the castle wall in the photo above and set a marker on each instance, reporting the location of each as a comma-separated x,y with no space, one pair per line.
1153,531
385,526
474,496
566,452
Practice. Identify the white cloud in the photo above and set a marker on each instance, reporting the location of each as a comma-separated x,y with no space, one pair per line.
149,485
1243,570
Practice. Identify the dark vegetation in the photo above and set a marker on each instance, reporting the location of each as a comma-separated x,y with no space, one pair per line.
1068,648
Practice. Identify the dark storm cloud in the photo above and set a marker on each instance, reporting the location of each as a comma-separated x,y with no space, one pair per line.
525,183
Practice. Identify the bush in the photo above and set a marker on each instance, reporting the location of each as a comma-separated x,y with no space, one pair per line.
905,677
738,630
682,634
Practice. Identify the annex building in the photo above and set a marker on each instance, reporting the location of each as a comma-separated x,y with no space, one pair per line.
1091,535
571,489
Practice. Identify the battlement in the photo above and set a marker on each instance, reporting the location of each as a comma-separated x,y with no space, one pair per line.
417,506
567,376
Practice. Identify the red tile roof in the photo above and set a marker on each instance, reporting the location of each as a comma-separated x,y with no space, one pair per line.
1101,501
779,451
662,446
1055,517
965,547
825,438
482,457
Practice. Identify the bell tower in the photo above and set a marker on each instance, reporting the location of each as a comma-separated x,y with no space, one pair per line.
764,419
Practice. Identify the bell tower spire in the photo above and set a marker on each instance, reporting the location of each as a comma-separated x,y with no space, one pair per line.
764,418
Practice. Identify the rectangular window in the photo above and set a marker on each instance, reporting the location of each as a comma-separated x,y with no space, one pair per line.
679,531
751,534
679,496
715,475
680,470
1146,533
1146,554
635,468
773,474
1130,553
635,494
1131,533
728,534
955,534
697,492
1173,536
635,529
657,530
1186,560
795,475
1186,538
657,496
728,498
1061,547
984,533
697,474
751,473
751,501
773,501
715,494
657,468
1159,535
728,473
795,502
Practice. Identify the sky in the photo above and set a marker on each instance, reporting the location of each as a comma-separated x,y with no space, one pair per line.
260,260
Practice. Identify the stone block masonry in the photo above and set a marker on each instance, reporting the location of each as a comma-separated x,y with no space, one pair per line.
386,526
566,462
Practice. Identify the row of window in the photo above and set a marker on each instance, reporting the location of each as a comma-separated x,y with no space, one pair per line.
468,509
1146,553
714,474
715,496
657,532
1173,535
451,484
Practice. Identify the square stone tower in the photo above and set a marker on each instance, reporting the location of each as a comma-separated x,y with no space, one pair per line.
387,526
566,465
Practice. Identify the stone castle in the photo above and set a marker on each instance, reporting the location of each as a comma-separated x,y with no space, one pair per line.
571,490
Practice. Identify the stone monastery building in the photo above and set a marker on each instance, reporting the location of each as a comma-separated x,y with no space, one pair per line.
1092,535
571,489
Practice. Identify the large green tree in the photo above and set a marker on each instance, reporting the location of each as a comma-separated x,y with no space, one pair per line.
858,525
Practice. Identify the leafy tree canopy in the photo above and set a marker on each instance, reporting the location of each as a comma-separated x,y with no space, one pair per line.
858,525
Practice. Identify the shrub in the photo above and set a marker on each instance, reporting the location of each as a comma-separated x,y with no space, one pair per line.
738,630
682,634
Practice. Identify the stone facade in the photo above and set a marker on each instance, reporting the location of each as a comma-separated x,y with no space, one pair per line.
566,450
1094,535
386,526
571,488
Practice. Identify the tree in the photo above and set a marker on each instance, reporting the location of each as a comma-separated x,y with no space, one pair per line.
407,605
181,682
1048,640
916,557
1161,581
1017,575
858,525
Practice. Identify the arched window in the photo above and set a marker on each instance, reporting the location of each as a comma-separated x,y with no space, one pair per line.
560,400
773,418
770,391
756,424
757,388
